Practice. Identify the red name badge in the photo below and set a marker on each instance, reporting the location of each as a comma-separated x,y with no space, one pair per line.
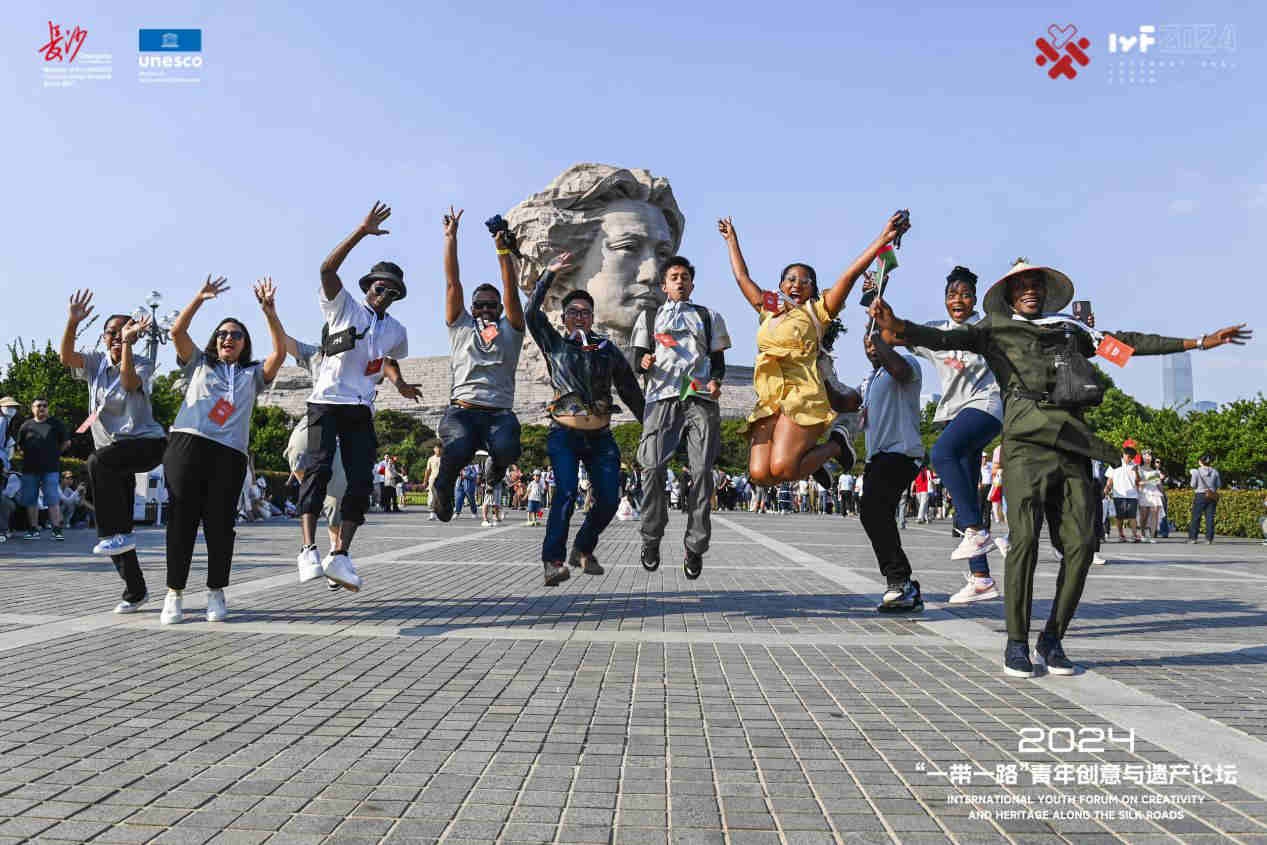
221,412
770,301
1114,350
666,339
489,333
372,368
87,424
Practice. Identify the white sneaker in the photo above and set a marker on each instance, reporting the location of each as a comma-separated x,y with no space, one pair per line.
173,612
216,608
486,524
974,543
1002,544
339,568
116,545
131,606
433,516
309,564
1097,560
977,589
1151,540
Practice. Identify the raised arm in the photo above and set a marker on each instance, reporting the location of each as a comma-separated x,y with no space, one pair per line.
185,348
266,295
627,384
127,366
331,284
834,298
391,372
452,279
1151,344
750,290
546,335
510,284
80,308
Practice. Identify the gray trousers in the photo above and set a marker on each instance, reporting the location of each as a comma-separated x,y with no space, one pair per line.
665,423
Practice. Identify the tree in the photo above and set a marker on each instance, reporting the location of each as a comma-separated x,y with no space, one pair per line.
394,427
166,395
270,432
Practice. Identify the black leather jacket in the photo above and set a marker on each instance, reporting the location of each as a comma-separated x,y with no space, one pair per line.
582,375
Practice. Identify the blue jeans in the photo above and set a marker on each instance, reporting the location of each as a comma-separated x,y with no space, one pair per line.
1201,504
463,431
466,491
568,448
956,457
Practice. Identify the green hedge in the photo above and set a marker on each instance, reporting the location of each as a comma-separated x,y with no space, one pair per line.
412,498
1238,513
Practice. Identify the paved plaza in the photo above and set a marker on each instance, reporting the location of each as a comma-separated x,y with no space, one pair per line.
456,699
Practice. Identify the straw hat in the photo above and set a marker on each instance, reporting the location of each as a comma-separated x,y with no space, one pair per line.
1059,289
9,402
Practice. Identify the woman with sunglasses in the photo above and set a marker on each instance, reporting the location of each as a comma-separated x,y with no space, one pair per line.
584,367
358,341
793,409
125,436
206,457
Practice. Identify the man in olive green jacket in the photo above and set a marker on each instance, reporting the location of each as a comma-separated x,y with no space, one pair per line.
1047,444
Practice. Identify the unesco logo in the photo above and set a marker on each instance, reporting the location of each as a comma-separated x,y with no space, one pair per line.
170,48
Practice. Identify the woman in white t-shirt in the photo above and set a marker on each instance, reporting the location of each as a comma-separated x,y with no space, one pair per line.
1151,498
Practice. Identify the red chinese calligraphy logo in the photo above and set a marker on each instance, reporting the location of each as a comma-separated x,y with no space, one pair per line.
61,47
1049,51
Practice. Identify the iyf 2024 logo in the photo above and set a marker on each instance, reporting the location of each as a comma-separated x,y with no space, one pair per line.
1062,61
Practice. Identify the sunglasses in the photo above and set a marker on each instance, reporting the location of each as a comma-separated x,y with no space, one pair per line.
386,291
485,305
578,312
230,334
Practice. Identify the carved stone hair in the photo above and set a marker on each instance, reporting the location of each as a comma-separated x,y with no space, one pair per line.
567,216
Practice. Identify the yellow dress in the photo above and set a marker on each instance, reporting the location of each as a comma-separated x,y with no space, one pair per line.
786,372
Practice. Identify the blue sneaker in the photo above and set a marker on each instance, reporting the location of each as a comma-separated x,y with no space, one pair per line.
1016,660
116,545
1049,653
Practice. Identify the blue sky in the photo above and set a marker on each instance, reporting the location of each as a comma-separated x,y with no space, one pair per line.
808,124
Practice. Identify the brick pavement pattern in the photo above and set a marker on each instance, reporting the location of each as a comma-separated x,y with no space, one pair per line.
456,699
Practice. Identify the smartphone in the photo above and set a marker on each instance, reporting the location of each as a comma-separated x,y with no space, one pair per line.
1082,310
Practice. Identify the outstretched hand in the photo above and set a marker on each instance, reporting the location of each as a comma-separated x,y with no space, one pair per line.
80,306
212,288
134,329
647,361
726,226
451,221
1232,334
892,229
266,295
883,316
409,391
502,239
560,264
374,220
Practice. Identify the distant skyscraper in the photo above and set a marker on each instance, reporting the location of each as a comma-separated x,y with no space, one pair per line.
1176,380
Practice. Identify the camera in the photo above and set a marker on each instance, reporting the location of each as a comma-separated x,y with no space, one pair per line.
497,224
903,224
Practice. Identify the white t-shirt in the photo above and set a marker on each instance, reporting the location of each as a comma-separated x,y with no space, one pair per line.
846,483
1124,486
342,379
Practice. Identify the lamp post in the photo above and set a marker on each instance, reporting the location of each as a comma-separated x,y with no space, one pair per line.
159,331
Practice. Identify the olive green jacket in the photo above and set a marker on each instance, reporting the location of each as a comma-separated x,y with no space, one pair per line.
1014,349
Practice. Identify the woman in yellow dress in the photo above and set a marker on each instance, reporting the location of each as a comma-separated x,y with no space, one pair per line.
793,409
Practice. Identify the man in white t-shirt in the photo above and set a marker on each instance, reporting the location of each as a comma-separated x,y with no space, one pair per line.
359,338
1123,486
846,484
891,417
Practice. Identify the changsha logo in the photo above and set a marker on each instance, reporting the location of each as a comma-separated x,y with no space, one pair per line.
1049,51
61,47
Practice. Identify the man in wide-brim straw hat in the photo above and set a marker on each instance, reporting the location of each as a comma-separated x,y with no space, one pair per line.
1039,358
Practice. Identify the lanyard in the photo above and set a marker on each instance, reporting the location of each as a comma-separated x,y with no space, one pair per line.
372,334
1062,320
101,375
231,386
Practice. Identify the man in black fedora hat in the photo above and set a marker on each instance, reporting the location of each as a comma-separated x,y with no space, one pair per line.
1039,357
358,339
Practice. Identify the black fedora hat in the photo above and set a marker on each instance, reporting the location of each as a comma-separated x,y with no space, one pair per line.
385,271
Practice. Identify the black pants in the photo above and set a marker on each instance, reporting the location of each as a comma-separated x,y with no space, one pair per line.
389,499
351,429
463,431
886,477
112,473
204,480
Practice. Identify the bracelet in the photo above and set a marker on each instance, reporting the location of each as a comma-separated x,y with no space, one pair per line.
503,252
1201,343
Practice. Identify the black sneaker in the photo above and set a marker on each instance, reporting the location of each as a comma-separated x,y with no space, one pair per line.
590,565
574,559
823,477
1016,660
651,558
31,534
692,565
333,586
442,507
57,533
1050,654
902,597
